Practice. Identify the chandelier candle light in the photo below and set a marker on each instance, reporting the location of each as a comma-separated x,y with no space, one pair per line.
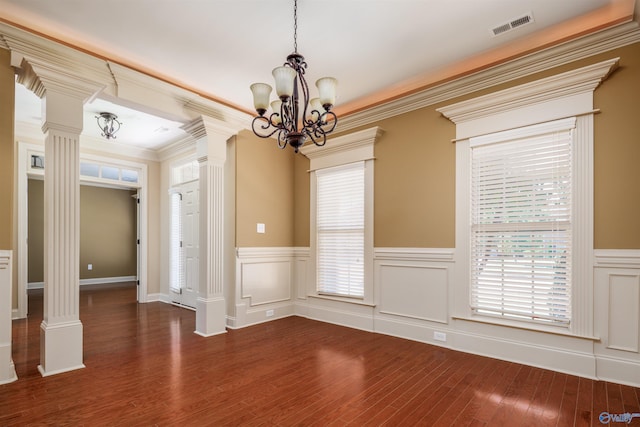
293,128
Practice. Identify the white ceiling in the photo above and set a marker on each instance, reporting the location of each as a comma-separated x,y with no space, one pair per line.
219,47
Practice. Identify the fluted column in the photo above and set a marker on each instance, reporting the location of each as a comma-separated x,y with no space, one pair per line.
63,96
61,329
211,136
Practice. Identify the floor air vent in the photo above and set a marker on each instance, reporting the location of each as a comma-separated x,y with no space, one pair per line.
512,24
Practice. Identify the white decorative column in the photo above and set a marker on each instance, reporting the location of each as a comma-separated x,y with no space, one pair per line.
63,96
61,329
7,369
211,137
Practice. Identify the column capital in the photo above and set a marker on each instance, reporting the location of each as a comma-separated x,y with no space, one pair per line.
209,127
63,94
213,134
42,78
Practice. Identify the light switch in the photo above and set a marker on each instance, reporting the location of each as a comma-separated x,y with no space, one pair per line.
261,228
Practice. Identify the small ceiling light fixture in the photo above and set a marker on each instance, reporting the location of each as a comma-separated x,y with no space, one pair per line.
108,124
295,119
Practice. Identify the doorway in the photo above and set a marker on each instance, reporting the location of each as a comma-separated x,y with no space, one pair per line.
184,241
97,171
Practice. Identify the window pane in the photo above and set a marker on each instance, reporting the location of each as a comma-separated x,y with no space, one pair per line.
109,172
129,175
89,169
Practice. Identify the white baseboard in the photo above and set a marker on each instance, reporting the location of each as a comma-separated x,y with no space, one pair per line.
105,280
95,281
618,370
15,314
158,297
556,359
570,362
353,320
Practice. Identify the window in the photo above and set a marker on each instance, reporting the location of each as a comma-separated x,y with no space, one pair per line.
340,230
521,223
176,264
567,301
342,217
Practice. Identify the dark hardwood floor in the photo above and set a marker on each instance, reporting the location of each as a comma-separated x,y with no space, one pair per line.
145,366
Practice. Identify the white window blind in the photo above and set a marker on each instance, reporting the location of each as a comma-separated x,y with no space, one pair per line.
340,230
176,266
521,223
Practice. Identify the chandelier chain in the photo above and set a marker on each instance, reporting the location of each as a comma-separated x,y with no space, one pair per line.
295,26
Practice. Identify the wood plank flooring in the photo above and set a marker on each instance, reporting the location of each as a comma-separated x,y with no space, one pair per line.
145,366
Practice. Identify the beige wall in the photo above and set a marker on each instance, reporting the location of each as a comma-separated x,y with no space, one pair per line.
415,167
301,201
617,155
35,231
7,163
107,232
6,149
264,192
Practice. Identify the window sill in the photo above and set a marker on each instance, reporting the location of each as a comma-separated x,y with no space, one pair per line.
526,327
342,299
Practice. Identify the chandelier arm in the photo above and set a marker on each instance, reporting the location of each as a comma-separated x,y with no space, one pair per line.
316,134
282,139
324,122
305,94
264,126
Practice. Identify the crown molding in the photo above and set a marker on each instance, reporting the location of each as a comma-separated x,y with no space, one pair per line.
181,146
33,48
233,118
352,141
584,79
586,46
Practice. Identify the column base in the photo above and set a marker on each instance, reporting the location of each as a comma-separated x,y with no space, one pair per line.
210,316
7,368
60,348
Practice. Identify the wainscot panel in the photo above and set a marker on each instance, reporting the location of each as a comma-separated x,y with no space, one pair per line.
264,285
617,315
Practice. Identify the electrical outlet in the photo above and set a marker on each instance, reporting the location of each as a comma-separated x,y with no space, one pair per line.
439,336
270,313
90,267
260,228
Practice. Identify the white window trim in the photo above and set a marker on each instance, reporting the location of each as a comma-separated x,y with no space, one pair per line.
565,95
354,147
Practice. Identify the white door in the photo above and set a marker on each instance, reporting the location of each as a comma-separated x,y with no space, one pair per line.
190,237
184,242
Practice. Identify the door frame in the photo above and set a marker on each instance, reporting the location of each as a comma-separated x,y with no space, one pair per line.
25,150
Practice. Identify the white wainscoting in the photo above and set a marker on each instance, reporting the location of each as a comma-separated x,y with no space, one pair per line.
7,368
264,285
414,299
617,315
412,287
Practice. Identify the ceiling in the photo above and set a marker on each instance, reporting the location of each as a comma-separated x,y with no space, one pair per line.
377,49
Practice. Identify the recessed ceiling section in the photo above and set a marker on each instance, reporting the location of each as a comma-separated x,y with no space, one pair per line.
139,130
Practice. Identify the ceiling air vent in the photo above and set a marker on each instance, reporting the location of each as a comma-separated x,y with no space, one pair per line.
512,24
